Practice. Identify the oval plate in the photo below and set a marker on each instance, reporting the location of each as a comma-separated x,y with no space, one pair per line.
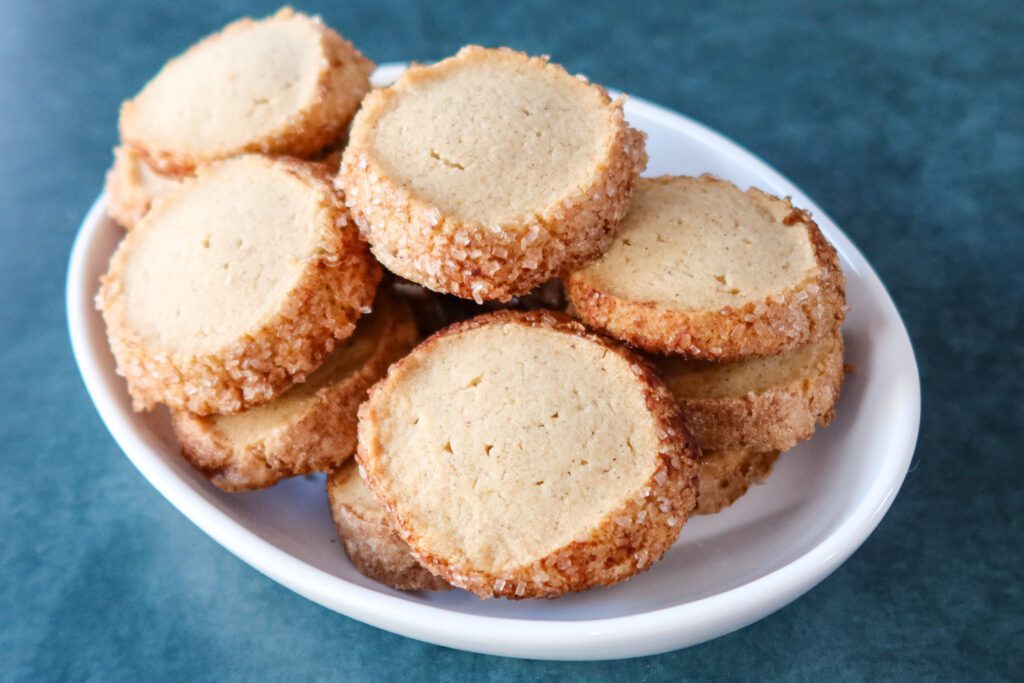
726,570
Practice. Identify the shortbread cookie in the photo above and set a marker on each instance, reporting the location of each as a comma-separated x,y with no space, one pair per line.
312,426
286,84
489,173
369,541
759,404
724,476
235,286
521,456
132,186
702,269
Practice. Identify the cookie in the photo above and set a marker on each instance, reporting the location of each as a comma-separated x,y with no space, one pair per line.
759,404
724,476
702,269
286,84
369,541
312,426
521,456
235,286
489,173
132,186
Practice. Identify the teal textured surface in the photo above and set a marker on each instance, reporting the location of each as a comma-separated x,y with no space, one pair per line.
905,121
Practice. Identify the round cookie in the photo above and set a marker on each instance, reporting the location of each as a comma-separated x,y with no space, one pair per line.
286,84
132,186
724,476
489,173
701,269
235,286
369,541
521,456
312,426
758,404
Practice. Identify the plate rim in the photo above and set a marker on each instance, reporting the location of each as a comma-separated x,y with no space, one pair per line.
631,635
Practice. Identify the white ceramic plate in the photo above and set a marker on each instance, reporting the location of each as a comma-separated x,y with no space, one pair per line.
726,571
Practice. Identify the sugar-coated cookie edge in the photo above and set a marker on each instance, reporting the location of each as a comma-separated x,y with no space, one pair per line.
627,540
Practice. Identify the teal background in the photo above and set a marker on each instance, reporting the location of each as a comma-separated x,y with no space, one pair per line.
905,120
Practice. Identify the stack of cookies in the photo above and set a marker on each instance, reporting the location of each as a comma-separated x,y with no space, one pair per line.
536,443
238,296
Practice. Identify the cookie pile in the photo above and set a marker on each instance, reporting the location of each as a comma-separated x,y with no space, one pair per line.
738,299
293,235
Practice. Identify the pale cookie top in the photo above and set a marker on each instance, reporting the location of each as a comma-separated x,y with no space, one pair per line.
492,137
348,358
509,441
221,255
265,85
695,244
704,379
